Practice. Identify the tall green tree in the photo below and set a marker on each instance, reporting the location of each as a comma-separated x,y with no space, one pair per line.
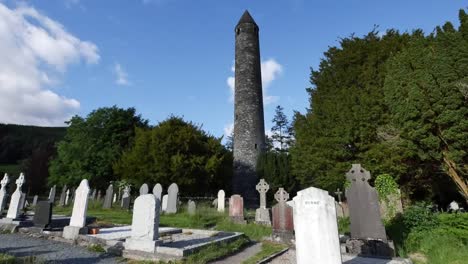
424,91
177,151
281,130
93,144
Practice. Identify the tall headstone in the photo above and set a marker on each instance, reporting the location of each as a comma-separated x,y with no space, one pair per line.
283,220
221,200
249,127
67,196
80,207
126,198
164,203
144,189
145,224
108,198
191,207
42,214
34,203
236,209
157,191
15,202
368,235
22,201
52,194
62,195
3,193
317,238
262,215
173,192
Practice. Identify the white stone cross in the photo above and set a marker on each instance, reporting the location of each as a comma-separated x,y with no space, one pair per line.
5,181
262,187
20,181
339,193
281,196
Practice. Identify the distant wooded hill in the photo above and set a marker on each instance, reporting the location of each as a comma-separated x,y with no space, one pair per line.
28,149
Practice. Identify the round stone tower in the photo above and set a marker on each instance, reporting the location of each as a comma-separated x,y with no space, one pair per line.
249,127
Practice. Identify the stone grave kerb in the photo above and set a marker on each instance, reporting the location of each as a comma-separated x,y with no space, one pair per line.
262,187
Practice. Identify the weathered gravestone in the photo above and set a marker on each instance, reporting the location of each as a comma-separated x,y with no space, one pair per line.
22,201
115,198
145,224
283,221
391,205
215,203
339,210
173,192
191,207
3,193
78,218
108,198
93,195
262,215
236,209
52,194
98,198
164,203
35,200
317,238
157,191
67,197
144,189
368,235
62,195
72,193
15,202
126,198
221,200
42,214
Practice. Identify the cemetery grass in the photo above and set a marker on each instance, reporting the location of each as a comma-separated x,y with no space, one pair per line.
9,259
268,249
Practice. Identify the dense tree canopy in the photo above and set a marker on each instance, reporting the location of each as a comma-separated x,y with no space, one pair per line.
93,144
177,151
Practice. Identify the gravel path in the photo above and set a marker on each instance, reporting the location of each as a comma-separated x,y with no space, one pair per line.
51,251
241,256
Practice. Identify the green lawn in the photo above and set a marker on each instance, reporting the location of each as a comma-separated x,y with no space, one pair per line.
268,249
11,169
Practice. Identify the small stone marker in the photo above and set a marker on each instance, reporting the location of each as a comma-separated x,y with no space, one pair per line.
42,214
221,200
283,220
173,192
164,203
52,194
98,198
236,209
22,201
67,196
453,206
145,224
126,198
93,195
108,198
3,193
62,195
14,209
78,218
35,200
317,238
339,210
215,203
144,189
157,191
262,215
368,237
191,207
115,198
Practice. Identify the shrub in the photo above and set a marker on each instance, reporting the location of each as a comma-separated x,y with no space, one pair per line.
419,217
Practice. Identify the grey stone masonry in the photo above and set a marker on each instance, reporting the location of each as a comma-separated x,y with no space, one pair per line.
249,127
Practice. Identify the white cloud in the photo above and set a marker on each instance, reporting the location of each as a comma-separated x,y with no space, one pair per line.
121,75
228,130
35,51
271,69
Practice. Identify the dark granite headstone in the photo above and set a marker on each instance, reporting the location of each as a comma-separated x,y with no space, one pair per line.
108,198
42,214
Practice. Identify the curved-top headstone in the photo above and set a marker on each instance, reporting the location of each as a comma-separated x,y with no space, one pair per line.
144,189
3,193
145,224
173,192
221,200
80,206
157,191
164,203
191,207
125,203
108,198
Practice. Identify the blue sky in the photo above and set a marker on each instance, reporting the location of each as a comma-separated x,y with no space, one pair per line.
65,57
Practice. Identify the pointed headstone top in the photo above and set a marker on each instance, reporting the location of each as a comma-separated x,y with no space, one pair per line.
246,18
5,180
20,181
